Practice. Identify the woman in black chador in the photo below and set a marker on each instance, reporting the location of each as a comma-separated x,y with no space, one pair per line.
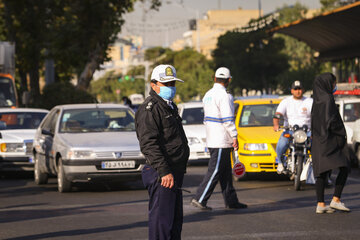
328,142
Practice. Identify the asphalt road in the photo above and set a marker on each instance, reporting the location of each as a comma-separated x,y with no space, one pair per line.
119,211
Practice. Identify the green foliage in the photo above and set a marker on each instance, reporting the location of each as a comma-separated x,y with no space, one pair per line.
192,67
76,34
328,5
254,59
153,53
289,14
63,93
303,65
105,88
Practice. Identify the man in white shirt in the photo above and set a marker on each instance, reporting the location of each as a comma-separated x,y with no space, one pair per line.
221,138
296,110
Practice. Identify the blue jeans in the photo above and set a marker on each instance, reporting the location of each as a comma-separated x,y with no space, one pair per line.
283,144
281,147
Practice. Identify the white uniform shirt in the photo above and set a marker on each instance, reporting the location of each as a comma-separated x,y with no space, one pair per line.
296,111
219,117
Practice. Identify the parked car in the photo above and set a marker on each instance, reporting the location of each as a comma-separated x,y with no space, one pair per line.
356,141
257,139
87,142
192,114
349,108
17,130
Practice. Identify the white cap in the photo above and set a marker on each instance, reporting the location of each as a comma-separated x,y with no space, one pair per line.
164,73
222,72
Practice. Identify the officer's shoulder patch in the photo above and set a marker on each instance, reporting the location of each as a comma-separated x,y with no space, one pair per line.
149,105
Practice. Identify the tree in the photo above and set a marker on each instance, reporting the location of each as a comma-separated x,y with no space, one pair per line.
328,5
191,66
75,33
112,87
254,58
25,23
303,65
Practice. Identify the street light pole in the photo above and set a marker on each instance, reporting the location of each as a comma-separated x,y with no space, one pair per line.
197,31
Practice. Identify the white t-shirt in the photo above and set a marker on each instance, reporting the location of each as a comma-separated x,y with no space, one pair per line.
296,111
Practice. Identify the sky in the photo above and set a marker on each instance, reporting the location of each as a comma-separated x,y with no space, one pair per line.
161,28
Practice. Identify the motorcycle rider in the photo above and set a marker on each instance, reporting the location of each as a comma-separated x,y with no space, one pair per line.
296,110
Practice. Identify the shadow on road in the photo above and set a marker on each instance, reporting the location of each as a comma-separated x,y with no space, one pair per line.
77,232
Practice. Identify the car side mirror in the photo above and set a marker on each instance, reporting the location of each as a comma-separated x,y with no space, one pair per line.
46,132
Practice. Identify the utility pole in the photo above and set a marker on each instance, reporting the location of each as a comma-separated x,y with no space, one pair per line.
197,31
259,8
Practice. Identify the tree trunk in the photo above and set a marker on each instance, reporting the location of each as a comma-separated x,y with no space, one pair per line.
34,85
90,67
23,81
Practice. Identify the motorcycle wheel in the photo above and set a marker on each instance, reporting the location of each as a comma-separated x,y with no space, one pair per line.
299,167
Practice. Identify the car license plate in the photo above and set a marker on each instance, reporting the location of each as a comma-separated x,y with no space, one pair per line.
206,149
118,164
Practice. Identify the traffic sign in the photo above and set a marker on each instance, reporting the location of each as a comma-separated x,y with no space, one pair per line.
238,170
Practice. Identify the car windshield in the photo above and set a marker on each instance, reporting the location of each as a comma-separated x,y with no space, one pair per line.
97,120
351,112
193,116
20,120
257,115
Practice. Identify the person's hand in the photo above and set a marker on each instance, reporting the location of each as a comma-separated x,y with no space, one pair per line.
276,128
167,181
235,144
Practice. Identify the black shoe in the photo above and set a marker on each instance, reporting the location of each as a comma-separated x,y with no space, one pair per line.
238,205
197,204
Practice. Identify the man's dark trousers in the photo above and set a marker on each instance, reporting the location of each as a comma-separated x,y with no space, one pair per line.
165,205
219,169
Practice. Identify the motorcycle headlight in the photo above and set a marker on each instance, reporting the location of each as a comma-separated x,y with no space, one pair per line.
80,154
12,147
300,136
255,146
193,140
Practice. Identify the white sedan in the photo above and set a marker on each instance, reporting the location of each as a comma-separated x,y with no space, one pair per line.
192,114
17,131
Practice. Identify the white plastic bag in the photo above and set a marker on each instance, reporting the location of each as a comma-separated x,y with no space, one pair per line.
307,173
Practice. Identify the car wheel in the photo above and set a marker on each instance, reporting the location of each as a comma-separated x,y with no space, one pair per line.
39,176
64,185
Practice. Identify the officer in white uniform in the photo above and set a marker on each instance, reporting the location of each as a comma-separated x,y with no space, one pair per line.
296,110
221,138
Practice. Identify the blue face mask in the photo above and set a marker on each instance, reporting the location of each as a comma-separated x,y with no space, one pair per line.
334,90
167,93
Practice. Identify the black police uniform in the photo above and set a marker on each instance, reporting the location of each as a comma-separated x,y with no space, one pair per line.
164,144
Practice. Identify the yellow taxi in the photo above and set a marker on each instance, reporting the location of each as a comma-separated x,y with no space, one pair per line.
257,139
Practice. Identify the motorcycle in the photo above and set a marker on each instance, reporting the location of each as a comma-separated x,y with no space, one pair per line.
298,152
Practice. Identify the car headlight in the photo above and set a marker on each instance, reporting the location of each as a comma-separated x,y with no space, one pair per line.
80,154
300,136
255,146
193,140
12,147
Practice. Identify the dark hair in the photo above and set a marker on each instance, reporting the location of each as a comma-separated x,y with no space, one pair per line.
221,80
153,81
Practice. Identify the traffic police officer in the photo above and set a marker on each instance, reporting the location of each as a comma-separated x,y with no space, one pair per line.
221,138
165,147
